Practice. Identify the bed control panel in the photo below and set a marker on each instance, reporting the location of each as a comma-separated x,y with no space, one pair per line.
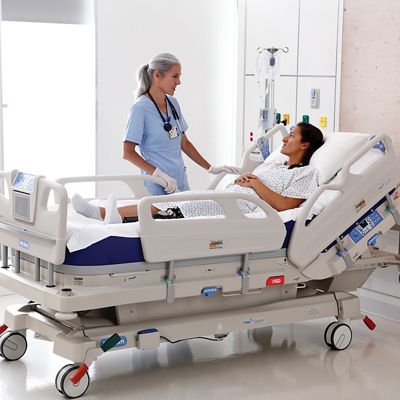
365,225
24,196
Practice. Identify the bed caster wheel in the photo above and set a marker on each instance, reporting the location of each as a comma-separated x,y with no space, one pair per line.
338,336
13,346
60,374
328,333
66,387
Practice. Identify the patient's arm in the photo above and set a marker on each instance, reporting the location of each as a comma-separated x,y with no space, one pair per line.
276,200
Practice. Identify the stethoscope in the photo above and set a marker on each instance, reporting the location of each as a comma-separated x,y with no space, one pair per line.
167,125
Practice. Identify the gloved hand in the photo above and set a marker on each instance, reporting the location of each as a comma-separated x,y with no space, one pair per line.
172,186
224,168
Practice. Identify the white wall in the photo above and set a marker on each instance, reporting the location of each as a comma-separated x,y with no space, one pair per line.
370,98
370,102
202,35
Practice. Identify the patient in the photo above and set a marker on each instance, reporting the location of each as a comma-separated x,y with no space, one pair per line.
282,185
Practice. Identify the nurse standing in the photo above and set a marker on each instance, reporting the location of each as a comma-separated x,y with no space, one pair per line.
156,125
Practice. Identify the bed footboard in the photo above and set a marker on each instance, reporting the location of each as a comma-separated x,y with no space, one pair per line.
45,236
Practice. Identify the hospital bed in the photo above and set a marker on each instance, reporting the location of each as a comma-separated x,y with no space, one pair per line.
171,280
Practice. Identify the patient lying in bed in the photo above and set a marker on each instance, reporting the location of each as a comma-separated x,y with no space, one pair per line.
283,186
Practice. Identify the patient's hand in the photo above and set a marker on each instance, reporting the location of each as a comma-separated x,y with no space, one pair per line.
245,180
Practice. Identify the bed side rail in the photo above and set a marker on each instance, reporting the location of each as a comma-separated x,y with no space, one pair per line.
358,193
248,162
45,237
167,240
135,183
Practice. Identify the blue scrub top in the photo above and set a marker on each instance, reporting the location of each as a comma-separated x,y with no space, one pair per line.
146,128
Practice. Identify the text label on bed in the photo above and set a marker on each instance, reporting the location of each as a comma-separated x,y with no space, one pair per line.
24,244
216,244
275,280
123,342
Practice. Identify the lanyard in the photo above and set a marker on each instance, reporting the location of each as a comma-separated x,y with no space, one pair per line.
167,124
162,116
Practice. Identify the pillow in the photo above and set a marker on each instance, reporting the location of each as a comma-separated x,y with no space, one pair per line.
336,150
277,156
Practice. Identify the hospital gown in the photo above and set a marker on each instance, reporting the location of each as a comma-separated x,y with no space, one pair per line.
298,182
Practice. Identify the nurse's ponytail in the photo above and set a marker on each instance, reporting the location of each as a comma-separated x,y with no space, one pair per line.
161,62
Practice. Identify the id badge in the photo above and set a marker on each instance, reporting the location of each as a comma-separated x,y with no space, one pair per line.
173,133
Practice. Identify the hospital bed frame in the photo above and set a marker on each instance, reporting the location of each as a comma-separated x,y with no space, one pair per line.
200,277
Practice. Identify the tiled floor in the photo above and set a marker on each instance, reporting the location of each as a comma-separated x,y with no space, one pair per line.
288,362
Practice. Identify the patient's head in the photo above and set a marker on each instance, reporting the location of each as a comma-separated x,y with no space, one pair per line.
301,143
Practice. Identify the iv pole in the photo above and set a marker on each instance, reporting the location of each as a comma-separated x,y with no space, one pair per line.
267,70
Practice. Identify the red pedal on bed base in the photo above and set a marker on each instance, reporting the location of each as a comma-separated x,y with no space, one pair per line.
3,328
370,324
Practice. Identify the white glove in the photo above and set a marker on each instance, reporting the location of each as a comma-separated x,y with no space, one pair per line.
224,168
172,186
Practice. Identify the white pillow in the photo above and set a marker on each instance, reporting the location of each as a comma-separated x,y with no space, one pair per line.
336,150
277,156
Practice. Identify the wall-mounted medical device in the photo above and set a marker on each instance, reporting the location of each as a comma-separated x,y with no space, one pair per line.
315,98
24,196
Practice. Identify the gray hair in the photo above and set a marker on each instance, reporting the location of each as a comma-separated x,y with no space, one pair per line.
161,62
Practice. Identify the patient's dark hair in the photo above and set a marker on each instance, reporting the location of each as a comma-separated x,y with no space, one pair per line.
312,135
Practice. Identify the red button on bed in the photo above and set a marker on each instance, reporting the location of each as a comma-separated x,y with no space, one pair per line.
275,280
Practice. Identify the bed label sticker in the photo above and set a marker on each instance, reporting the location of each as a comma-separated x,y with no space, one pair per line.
313,311
360,205
78,280
275,280
253,321
216,244
24,244
123,342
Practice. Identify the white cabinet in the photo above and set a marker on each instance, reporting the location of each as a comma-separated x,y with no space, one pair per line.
318,37
312,30
271,23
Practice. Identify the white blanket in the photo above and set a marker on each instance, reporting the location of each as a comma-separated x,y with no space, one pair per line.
83,232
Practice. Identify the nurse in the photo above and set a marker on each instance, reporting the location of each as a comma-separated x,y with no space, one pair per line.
157,127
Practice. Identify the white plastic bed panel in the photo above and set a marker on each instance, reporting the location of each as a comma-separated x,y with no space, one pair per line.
46,237
185,239
365,188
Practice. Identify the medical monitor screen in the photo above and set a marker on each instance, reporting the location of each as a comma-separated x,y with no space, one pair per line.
24,182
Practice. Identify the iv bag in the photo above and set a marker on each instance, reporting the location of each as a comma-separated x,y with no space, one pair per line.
267,66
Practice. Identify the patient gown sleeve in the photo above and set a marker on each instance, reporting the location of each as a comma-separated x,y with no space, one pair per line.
303,183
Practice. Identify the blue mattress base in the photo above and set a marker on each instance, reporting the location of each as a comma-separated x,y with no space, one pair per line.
121,250
112,250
